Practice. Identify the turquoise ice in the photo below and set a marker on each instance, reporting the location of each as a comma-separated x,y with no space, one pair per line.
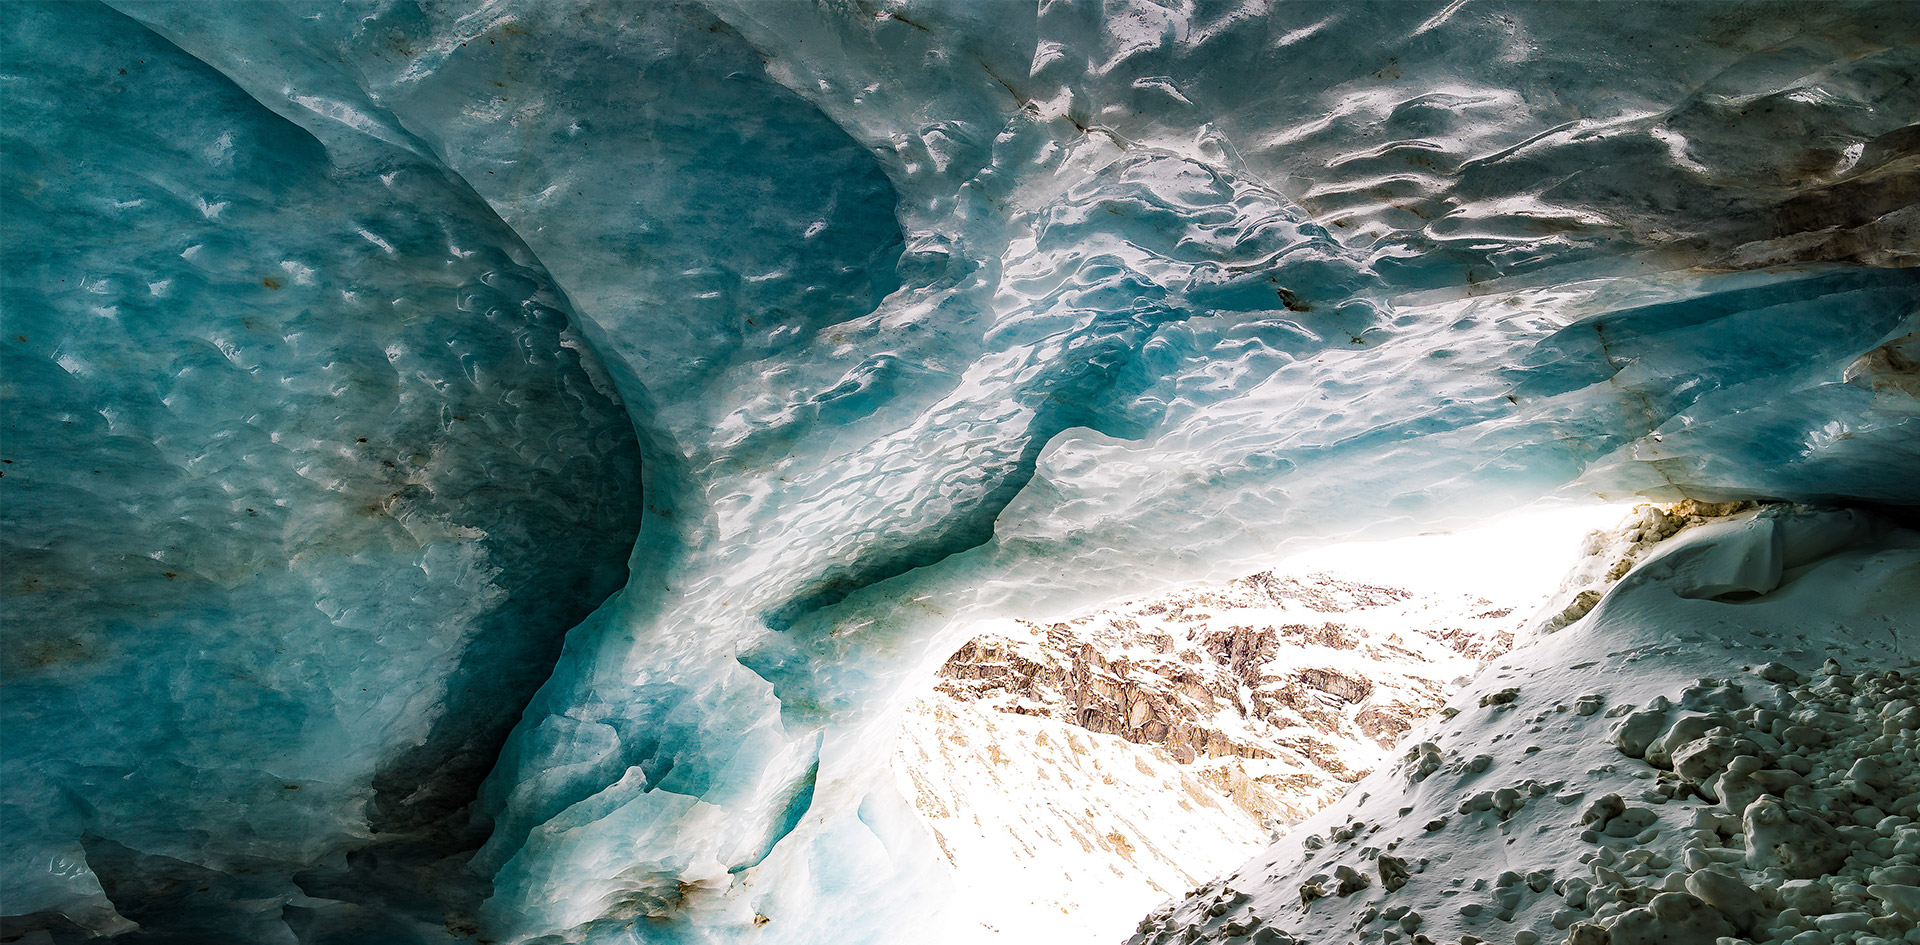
498,468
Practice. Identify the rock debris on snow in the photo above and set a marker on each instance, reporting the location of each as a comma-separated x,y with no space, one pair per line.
1754,778
1074,773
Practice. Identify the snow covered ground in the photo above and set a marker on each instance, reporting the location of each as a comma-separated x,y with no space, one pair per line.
1723,748
1058,834
1077,774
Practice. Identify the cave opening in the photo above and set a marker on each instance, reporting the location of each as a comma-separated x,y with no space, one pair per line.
1075,772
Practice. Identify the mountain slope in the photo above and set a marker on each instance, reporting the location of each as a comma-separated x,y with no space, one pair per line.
1075,774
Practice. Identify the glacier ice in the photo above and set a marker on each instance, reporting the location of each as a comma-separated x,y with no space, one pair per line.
355,351
296,515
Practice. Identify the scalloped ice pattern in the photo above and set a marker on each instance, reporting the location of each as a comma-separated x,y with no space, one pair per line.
918,314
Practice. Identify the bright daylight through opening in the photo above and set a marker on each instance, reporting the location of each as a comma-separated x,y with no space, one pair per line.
1075,773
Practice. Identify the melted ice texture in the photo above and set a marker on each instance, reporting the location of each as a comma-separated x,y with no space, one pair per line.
337,335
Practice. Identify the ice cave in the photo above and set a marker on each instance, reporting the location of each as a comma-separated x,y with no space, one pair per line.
498,471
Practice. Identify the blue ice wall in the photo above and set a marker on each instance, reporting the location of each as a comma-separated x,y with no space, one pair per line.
851,323
306,476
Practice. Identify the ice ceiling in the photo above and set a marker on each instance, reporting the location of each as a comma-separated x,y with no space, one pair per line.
350,346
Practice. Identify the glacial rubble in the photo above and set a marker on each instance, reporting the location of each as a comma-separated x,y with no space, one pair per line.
1723,750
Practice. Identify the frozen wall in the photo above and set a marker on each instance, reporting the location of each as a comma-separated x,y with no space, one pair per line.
916,314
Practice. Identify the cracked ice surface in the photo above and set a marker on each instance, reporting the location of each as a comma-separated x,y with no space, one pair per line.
921,314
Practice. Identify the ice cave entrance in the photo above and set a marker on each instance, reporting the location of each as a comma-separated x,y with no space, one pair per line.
1076,773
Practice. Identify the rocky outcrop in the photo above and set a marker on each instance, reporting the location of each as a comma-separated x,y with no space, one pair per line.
1609,555
1284,688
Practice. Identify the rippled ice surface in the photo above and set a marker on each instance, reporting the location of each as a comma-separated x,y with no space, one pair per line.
349,346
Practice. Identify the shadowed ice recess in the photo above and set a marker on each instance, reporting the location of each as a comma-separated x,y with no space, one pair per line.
357,353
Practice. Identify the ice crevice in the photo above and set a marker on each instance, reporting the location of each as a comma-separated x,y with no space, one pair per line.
363,350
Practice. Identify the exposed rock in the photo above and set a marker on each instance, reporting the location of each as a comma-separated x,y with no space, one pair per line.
1393,872
1253,680
1673,918
1797,841
1349,880
1904,900
1735,899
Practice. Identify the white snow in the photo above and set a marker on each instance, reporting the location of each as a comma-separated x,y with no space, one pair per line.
1770,654
1059,835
